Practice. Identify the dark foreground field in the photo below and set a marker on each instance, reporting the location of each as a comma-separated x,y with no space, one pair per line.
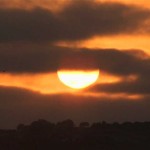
43,135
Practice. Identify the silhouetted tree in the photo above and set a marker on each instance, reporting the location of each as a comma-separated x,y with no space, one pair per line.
42,134
69,124
96,125
20,127
84,125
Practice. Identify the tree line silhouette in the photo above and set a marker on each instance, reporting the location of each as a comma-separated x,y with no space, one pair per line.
65,135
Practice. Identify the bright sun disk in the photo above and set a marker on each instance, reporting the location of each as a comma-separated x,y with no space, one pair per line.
78,79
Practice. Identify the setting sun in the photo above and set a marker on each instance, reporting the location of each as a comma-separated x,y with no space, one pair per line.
87,61
78,79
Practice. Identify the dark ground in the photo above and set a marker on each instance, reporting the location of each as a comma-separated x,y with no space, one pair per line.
43,135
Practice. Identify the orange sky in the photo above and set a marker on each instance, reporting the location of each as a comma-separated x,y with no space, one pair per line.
138,41
49,83
18,3
57,4
144,3
45,83
121,42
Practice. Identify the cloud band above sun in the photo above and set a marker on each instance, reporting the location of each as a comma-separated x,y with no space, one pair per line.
104,19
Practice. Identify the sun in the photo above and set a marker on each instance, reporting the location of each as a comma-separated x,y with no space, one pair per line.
78,79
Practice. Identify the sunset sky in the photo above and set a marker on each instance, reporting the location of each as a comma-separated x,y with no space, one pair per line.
40,37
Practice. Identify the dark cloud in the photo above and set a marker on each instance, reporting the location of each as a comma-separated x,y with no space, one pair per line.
85,19
78,20
23,106
31,58
133,66
120,62
34,25
141,86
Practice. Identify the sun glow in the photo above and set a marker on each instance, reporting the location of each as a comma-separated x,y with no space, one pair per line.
78,79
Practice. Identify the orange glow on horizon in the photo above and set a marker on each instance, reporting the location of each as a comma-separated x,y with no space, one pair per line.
43,83
46,83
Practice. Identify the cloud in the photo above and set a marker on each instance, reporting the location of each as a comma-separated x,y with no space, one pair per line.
141,86
133,67
33,25
29,58
23,106
28,4
78,20
37,58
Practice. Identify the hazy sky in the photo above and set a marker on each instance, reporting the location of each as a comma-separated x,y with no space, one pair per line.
110,35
